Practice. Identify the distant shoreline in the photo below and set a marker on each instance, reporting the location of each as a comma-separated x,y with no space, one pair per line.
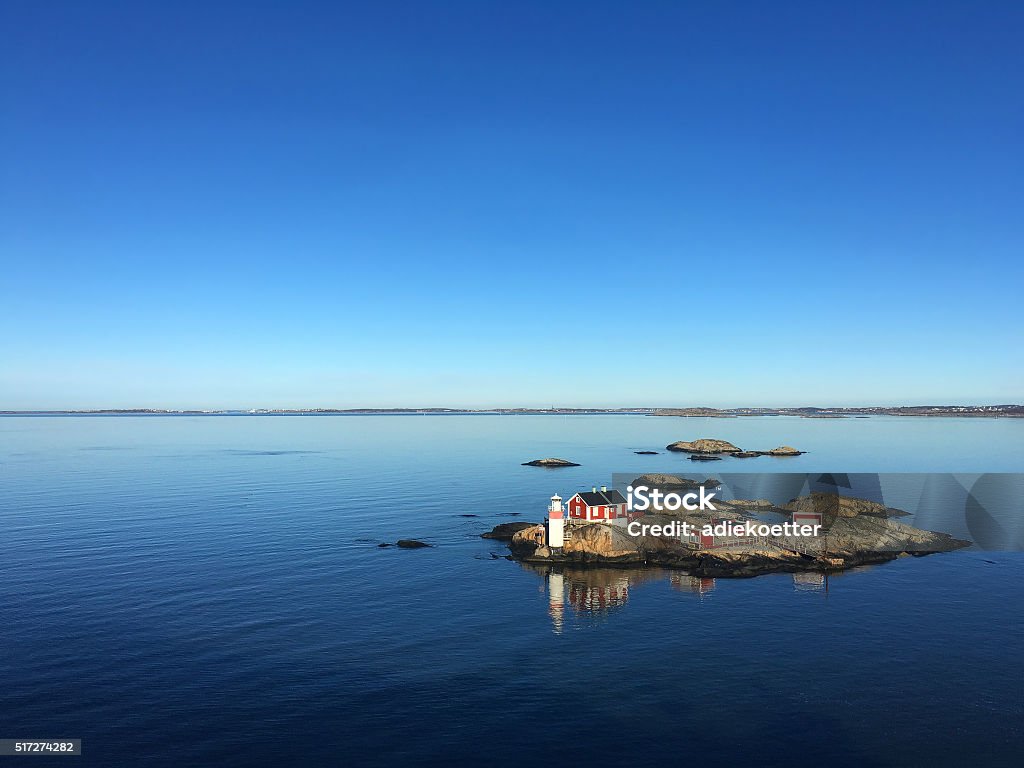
976,411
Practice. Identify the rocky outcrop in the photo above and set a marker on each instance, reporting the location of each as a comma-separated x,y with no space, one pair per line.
672,482
602,542
832,506
853,538
746,503
708,447
550,463
595,543
505,531
526,542
703,446
716,564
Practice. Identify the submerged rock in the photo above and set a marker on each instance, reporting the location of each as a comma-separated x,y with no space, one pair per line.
704,457
646,453
505,531
747,454
411,544
550,463
703,445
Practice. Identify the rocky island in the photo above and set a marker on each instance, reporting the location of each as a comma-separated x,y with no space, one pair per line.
707,449
703,445
852,532
550,463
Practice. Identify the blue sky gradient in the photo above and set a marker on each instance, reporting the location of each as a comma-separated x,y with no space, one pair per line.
501,204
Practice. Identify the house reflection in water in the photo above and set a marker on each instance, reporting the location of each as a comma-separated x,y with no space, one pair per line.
694,585
605,592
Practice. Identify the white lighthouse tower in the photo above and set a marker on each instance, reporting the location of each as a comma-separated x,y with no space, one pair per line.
556,523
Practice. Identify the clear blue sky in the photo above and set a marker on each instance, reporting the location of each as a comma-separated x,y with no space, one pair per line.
474,204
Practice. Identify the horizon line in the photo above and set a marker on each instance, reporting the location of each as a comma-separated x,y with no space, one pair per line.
532,409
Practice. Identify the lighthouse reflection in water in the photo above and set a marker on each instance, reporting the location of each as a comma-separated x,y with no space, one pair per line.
593,594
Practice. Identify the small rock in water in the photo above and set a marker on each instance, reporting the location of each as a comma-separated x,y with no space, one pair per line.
702,457
384,544
784,450
411,544
550,463
646,453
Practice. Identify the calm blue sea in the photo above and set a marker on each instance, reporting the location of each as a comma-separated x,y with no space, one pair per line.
208,591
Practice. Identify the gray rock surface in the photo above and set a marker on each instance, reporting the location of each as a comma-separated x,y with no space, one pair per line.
550,463
703,445
505,531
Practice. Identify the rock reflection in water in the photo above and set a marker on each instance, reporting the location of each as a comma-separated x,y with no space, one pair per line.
595,593
810,581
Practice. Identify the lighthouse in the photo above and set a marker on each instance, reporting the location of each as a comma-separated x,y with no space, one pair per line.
556,523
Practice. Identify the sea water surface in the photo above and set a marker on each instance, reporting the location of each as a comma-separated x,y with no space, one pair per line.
207,590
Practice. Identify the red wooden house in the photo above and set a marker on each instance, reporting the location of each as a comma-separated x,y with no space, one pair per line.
602,506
